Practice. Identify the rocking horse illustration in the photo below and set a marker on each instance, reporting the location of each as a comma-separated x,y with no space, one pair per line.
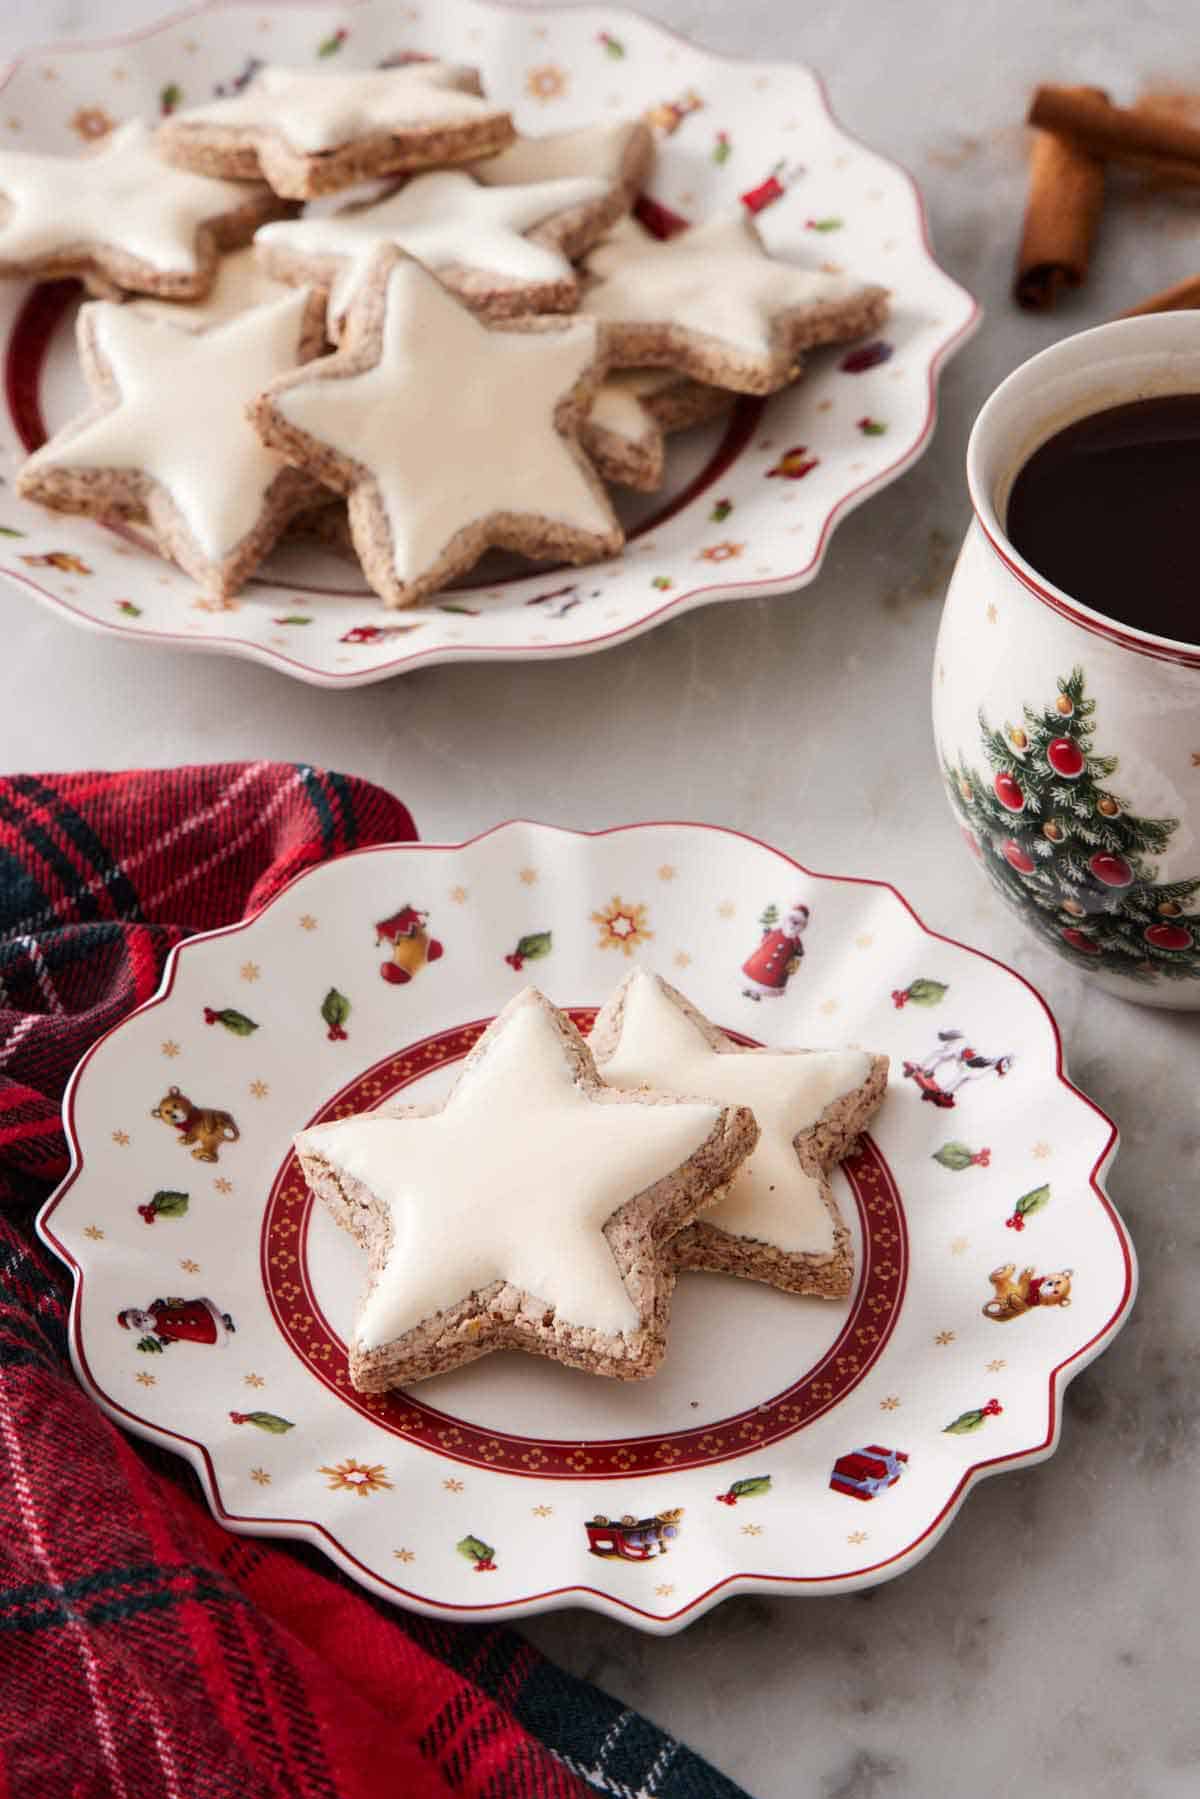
961,1063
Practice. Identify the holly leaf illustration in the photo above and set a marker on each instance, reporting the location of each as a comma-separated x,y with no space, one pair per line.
10,531
965,1423
268,1421
475,1549
828,224
535,946
335,1007
329,46
923,992
168,1204
954,1155
294,618
1035,1201
231,1018
751,1486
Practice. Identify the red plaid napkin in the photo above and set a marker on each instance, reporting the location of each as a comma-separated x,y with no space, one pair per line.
145,1652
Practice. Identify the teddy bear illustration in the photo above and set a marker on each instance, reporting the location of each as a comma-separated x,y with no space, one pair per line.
200,1126
410,944
1017,1294
173,1320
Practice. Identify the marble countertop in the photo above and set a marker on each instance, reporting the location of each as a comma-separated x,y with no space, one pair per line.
1044,1646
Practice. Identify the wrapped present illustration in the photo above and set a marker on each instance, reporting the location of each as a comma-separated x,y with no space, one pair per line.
865,1473
631,1539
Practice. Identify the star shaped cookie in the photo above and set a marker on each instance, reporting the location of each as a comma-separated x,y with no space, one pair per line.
314,131
167,437
620,156
120,215
494,247
448,437
778,1220
625,430
241,282
713,303
528,1211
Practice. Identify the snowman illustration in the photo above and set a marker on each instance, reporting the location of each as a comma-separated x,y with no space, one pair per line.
780,951
166,1321
962,1063
410,944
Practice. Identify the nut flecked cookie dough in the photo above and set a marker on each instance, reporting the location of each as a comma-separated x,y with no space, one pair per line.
529,1211
778,1221
627,423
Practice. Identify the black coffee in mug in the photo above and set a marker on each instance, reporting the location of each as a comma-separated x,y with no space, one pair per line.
1108,509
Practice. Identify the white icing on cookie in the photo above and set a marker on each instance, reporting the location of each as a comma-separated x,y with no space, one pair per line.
322,109
598,150
715,278
618,407
121,195
181,413
770,1198
446,449
512,1180
241,283
442,218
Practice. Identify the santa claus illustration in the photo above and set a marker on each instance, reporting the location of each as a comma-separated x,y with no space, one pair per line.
177,1321
960,1060
410,943
778,955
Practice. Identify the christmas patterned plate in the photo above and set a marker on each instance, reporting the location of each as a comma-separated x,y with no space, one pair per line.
787,1444
749,503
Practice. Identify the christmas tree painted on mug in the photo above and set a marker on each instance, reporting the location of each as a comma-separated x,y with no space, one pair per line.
1071,853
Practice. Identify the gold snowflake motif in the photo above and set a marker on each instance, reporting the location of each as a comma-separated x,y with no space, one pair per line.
666,872
261,1476
542,1511
146,1380
49,74
528,877
453,1486
223,1184
665,1589
170,1049
726,909
857,1536
259,1089
996,1364
93,1232
752,1530
547,82
307,922
959,1245
992,614
249,971
13,124
121,1139
404,1555
458,895
890,1404
682,959
91,122
188,1266
828,1006
865,940
944,1337
623,925
721,552
362,1478
253,1380
1042,1150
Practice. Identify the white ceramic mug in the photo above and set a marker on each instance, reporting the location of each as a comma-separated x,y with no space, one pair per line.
1070,743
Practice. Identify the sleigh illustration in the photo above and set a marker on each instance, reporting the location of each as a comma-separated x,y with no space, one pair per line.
865,1473
631,1539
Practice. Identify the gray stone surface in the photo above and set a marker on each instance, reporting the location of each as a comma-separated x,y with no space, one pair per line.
1044,1646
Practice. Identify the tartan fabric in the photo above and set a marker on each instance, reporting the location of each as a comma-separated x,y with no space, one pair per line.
145,1652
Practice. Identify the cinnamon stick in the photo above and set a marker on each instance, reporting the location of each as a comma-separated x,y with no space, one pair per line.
1178,298
1066,193
1089,118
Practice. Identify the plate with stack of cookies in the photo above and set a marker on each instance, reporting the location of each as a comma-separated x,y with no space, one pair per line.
351,339
621,1220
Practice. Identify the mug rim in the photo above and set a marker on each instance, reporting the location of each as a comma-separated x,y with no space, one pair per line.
1128,637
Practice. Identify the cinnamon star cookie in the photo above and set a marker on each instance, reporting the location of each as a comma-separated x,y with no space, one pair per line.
625,430
620,156
120,214
314,131
528,1211
778,1220
713,303
448,437
494,247
167,438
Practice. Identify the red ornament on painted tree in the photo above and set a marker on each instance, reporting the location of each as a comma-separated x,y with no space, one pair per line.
1079,940
1018,858
1168,936
1065,757
1114,871
1008,792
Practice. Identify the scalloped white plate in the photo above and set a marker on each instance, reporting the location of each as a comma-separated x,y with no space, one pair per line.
728,523
217,1326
